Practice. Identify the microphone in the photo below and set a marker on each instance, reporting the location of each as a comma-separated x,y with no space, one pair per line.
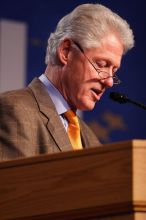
122,98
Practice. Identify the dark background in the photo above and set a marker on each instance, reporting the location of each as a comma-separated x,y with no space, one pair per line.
110,121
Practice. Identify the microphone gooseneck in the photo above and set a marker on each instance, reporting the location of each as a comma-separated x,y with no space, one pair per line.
122,98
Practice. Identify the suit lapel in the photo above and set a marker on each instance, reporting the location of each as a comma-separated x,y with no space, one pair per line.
89,139
58,132
53,121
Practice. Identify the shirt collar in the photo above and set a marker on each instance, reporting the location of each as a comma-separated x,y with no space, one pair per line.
58,100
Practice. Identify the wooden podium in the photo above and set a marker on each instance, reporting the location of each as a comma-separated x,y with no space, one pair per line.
105,183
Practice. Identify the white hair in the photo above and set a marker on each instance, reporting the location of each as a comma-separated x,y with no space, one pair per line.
87,24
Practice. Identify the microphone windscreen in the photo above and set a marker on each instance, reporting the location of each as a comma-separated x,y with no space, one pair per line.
118,97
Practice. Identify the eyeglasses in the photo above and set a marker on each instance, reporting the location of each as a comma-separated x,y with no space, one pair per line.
102,75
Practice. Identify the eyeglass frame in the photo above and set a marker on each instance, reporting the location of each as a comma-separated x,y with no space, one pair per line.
116,80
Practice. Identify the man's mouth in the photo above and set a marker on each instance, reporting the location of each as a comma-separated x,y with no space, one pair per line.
97,93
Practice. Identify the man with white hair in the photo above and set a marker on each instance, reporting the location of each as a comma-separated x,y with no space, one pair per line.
83,56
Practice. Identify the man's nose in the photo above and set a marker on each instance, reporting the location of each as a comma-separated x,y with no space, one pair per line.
108,82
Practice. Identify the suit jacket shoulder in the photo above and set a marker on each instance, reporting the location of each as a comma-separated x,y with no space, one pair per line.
29,123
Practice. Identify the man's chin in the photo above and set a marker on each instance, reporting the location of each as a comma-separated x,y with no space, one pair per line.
88,106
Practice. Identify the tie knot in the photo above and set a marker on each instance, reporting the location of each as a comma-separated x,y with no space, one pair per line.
71,117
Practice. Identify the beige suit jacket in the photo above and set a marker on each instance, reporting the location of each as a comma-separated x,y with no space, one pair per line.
30,125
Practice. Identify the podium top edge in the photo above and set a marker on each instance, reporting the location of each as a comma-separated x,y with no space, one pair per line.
105,148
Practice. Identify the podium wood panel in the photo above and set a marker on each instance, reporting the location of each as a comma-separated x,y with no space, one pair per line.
105,183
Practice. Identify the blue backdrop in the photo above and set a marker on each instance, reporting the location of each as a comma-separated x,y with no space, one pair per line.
110,121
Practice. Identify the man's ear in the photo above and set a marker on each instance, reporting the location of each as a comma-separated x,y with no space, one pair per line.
63,51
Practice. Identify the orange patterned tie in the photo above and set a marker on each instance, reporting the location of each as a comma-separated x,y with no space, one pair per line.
73,130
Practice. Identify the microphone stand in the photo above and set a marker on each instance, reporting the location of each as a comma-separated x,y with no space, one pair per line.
121,98
137,103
